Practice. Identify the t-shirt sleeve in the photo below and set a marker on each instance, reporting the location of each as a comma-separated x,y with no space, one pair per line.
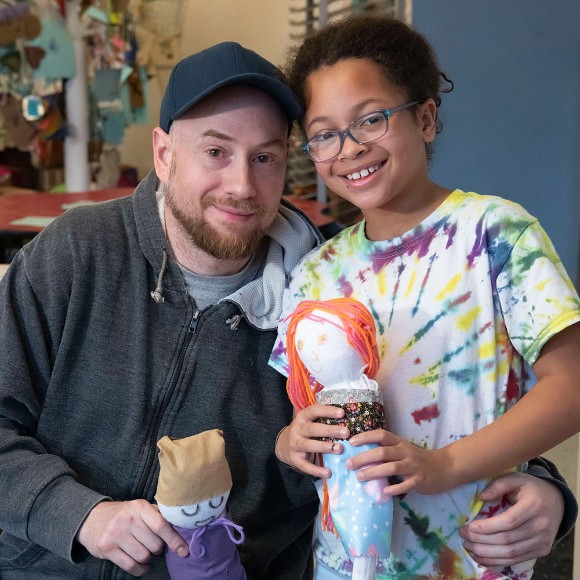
537,297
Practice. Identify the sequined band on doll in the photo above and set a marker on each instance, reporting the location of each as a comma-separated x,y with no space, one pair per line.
359,417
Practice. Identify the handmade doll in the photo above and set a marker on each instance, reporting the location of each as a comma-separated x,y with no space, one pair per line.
333,359
192,491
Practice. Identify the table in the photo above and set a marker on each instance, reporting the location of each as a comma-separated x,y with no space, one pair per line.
24,216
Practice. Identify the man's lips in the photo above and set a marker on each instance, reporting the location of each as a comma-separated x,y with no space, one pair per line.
235,211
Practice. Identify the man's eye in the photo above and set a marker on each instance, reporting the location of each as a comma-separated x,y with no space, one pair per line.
217,504
263,158
214,152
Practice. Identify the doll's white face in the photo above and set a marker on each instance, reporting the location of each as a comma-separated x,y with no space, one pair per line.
195,515
323,347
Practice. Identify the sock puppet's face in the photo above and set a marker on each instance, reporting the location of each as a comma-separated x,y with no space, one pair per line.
195,515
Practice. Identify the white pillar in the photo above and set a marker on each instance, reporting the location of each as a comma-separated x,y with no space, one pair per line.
76,163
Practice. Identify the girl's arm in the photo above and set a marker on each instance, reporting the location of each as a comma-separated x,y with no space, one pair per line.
543,418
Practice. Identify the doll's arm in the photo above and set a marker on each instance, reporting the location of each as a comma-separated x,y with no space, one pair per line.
297,443
553,404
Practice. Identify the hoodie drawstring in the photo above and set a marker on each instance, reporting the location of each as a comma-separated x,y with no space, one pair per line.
157,294
234,321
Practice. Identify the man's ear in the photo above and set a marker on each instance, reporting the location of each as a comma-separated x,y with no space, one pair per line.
162,154
427,119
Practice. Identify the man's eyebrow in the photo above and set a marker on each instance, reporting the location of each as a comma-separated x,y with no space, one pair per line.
225,137
217,135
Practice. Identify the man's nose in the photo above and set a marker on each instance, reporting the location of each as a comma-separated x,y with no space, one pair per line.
240,179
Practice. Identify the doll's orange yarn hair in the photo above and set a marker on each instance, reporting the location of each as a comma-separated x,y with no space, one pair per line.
359,326
357,323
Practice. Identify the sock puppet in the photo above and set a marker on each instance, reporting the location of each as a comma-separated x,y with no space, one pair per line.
192,491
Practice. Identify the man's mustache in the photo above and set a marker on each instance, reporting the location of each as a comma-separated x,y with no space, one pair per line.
243,205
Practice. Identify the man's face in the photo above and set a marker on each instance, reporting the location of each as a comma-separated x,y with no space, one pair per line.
225,167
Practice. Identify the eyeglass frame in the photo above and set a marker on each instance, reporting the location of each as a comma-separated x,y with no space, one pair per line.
342,135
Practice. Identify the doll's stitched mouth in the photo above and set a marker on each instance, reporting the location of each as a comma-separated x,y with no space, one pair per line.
205,522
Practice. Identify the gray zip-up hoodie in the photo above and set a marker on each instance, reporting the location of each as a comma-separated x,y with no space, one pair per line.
103,353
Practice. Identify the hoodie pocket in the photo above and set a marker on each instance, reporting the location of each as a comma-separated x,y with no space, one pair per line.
17,553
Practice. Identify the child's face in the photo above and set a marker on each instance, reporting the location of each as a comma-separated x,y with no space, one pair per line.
396,178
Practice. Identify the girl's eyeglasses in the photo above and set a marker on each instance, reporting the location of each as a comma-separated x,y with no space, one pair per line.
327,145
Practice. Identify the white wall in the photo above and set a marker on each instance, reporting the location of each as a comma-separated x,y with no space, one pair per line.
261,25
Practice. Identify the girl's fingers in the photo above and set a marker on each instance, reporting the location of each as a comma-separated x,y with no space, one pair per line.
378,436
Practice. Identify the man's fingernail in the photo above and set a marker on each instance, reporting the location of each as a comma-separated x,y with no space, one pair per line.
182,551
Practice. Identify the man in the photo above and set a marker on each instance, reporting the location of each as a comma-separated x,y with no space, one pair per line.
155,315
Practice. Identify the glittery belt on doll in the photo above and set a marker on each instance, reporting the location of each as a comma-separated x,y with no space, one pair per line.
363,409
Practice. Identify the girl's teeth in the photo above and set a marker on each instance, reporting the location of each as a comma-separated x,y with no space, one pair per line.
363,173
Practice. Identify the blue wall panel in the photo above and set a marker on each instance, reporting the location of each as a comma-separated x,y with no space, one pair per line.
512,123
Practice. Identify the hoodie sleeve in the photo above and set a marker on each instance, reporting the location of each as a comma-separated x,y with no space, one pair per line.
545,469
40,498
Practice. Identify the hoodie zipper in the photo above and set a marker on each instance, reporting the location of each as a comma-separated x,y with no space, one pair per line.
108,570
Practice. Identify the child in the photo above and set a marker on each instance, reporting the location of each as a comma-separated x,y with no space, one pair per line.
465,289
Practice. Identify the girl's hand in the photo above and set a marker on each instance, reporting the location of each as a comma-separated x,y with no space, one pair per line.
411,468
298,443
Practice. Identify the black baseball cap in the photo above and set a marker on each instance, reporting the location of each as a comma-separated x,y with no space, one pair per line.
227,63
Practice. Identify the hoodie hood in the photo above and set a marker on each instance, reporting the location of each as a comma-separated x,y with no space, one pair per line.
292,235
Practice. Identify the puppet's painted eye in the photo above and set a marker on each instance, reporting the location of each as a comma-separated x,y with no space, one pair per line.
322,338
299,345
214,507
190,514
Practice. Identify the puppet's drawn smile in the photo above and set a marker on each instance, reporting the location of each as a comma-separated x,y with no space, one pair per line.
205,522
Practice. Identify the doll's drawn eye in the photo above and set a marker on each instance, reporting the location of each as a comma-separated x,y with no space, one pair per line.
322,338
214,507
299,345
190,514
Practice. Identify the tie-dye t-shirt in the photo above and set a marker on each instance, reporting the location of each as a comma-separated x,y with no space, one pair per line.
461,303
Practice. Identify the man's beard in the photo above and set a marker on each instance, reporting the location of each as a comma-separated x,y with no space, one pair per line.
232,246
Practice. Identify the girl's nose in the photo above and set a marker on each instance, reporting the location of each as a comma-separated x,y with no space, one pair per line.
351,149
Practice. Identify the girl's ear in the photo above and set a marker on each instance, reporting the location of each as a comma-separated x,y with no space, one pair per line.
427,119
162,154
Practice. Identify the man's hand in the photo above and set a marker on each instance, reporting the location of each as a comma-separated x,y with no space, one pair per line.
128,533
523,532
